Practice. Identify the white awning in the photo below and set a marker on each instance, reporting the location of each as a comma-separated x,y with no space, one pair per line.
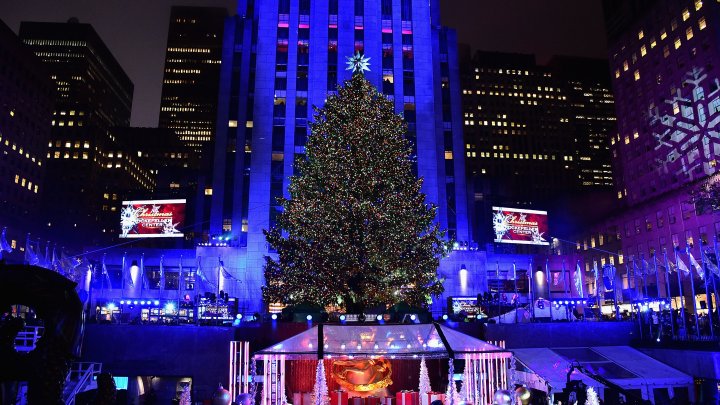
621,365
375,340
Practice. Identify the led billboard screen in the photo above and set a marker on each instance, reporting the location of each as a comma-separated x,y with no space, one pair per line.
514,225
152,219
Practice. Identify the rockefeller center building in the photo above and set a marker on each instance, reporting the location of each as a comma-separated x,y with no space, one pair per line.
665,67
281,58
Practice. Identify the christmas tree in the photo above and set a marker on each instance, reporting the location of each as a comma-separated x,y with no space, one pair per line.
424,379
592,397
356,230
320,392
185,396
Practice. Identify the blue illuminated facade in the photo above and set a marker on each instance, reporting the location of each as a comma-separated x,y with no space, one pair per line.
280,58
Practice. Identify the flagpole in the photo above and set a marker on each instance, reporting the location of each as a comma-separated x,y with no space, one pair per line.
680,292
531,291
547,279
644,274
516,291
181,285
563,280
707,289
692,289
497,272
565,288
122,271
717,260
669,294
597,287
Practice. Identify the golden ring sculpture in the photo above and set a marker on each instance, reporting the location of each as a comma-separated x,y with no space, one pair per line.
362,375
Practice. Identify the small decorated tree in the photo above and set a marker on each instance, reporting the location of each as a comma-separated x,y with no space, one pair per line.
185,396
451,395
592,397
424,379
320,393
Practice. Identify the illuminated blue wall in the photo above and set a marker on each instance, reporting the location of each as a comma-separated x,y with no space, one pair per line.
280,58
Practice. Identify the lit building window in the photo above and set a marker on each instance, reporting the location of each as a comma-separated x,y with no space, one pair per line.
701,23
641,34
689,33
617,74
698,5
653,43
635,134
663,34
448,155
637,75
232,123
208,191
685,14
625,66
643,50
677,43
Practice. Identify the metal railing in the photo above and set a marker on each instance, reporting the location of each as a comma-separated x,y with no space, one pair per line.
26,339
79,376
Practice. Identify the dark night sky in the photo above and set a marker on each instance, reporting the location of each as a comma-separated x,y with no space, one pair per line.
136,31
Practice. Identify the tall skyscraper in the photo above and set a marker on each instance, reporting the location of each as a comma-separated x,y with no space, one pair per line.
280,57
192,73
534,134
87,171
26,103
665,68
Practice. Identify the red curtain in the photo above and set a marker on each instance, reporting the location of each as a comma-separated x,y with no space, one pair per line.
300,375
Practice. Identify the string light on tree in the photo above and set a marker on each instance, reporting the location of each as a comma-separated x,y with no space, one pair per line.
356,230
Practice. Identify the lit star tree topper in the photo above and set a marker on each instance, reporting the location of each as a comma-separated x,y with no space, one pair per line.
355,231
358,63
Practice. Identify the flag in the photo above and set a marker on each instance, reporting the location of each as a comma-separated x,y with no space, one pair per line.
30,255
4,245
646,265
126,272
696,265
38,253
55,262
162,273
226,274
596,271
105,272
547,274
143,279
578,279
681,265
201,275
609,277
48,260
712,266
181,281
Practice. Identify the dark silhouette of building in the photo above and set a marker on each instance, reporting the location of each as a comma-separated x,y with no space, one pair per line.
26,103
192,74
88,172
535,136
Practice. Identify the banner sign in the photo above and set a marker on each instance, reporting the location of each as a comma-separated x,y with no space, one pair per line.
152,219
514,225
